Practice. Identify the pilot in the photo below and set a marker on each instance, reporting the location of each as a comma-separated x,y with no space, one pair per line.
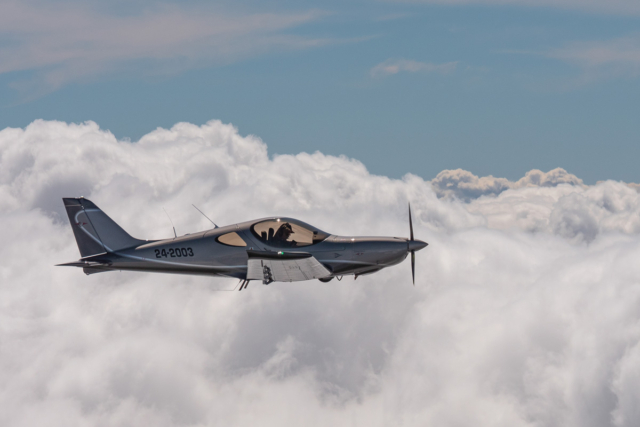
282,235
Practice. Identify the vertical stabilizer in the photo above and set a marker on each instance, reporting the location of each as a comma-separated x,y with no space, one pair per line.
95,232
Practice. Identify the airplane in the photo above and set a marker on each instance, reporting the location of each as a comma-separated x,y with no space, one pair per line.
275,249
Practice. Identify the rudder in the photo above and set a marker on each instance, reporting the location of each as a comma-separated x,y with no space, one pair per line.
94,231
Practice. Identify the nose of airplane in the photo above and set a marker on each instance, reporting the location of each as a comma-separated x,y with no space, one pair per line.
416,245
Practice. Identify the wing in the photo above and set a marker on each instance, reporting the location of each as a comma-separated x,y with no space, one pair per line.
284,267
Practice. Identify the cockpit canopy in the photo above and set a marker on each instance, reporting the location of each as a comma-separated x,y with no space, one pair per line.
287,233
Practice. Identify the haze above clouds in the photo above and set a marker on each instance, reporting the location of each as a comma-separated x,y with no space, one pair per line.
525,312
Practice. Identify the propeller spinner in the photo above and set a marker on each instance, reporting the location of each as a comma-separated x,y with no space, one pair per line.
413,246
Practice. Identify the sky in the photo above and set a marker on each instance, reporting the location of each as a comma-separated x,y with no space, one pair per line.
493,87
509,125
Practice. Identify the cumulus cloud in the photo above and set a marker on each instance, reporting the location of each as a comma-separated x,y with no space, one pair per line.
394,66
67,41
525,310
634,186
466,186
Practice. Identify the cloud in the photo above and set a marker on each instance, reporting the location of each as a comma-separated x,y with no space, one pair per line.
394,66
525,310
597,60
634,186
618,57
621,7
554,202
69,41
466,186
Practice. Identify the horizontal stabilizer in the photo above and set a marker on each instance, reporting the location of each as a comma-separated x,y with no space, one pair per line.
89,267
93,261
83,264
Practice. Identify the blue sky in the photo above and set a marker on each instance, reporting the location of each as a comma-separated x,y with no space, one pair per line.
493,87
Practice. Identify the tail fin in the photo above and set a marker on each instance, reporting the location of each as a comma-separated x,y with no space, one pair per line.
95,232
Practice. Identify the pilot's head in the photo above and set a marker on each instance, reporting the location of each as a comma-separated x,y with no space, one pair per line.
287,230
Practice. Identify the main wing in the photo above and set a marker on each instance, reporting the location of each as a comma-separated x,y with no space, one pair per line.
284,267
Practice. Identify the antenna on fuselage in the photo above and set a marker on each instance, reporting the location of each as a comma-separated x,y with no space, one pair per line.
215,225
173,226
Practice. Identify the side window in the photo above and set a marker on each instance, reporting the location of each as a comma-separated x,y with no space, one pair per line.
231,239
287,233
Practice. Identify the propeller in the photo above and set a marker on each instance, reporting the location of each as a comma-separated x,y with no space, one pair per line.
413,246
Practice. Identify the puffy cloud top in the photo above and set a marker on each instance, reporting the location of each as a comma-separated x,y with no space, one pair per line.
525,310
466,186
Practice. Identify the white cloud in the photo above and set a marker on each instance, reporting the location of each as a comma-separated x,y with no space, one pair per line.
394,66
70,41
597,60
618,57
466,186
634,186
572,209
525,310
591,6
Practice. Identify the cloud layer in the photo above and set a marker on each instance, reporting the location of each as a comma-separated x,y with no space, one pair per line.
525,310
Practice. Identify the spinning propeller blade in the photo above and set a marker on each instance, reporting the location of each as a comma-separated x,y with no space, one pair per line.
413,246
413,253
413,267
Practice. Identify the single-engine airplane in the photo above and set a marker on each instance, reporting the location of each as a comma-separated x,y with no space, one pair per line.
275,249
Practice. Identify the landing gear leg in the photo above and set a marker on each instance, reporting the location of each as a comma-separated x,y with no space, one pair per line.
267,276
